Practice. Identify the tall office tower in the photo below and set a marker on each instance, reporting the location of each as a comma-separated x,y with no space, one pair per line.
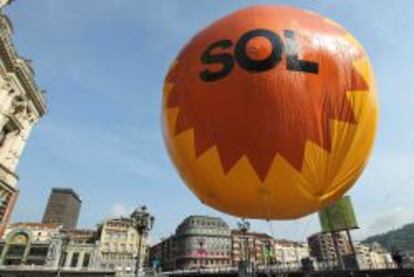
63,208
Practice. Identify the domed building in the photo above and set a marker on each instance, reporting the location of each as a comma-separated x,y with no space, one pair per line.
202,242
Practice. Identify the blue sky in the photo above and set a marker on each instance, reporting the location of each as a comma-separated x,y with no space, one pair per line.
103,64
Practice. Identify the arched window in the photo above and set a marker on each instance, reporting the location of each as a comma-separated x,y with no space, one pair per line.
16,249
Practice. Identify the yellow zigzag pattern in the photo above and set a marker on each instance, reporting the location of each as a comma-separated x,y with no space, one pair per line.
324,176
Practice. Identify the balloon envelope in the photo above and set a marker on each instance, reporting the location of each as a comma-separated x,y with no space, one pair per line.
270,112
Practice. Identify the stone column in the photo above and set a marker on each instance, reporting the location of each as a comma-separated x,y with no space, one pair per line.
95,262
81,257
12,197
16,146
7,94
55,253
68,259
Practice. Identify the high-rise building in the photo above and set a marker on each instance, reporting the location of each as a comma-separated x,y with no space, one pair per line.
22,104
63,208
322,246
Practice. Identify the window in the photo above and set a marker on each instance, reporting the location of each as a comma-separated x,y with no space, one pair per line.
38,251
86,259
16,250
74,261
63,259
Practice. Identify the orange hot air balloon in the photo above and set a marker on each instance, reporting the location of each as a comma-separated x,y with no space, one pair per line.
270,112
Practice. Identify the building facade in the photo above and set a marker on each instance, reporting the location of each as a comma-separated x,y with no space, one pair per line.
290,253
39,249
118,246
364,256
380,257
162,254
63,208
49,246
81,250
202,242
322,247
198,242
253,247
207,242
27,244
22,104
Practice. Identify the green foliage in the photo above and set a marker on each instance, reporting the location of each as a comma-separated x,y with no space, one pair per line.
402,238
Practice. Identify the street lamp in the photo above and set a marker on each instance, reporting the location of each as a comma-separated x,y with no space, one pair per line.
143,222
244,227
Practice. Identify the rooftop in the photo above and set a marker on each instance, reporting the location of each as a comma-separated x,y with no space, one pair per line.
67,191
35,225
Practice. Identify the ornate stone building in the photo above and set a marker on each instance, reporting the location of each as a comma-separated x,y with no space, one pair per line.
50,246
208,242
198,242
118,246
81,250
28,244
202,241
22,104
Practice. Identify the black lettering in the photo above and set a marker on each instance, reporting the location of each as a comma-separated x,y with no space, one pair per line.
226,59
259,65
293,63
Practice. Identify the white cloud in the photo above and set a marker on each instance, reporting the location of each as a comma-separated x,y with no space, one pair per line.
120,209
392,219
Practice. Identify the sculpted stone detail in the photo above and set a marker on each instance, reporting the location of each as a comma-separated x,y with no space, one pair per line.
5,2
7,91
7,87
22,103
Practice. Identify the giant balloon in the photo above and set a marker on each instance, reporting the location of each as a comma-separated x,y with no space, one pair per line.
270,112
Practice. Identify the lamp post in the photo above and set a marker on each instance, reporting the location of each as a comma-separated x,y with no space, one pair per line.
268,253
244,227
143,222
